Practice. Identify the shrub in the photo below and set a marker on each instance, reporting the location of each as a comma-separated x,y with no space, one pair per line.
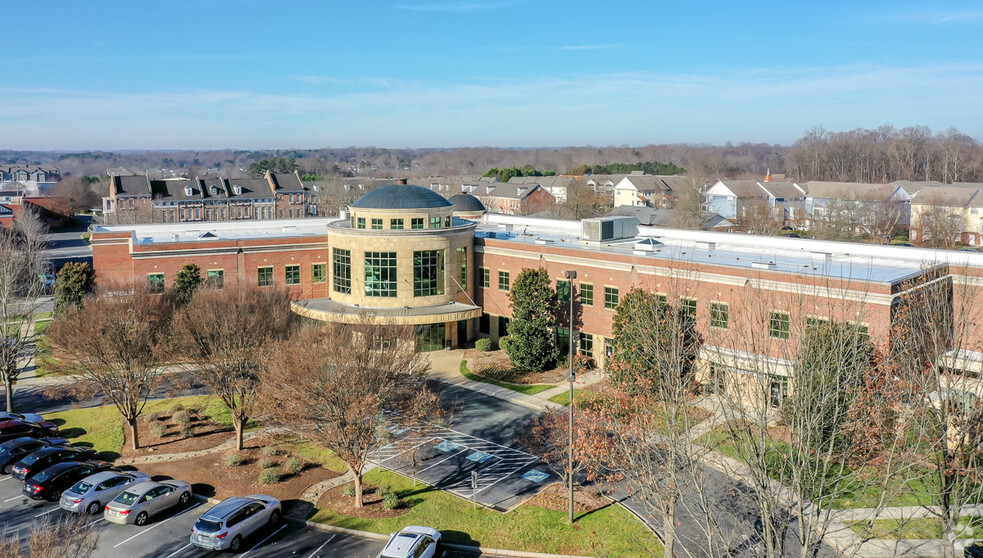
348,490
390,500
194,412
270,450
269,476
267,463
234,459
187,430
175,408
293,466
158,429
483,345
155,416
503,343
181,417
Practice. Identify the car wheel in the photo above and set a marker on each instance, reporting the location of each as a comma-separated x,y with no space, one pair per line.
141,518
275,517
6,469
93,508
55,495
185,496
235,544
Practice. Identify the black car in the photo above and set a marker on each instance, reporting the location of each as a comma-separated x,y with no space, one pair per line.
973,550
51,482
14,428
14,450
46,457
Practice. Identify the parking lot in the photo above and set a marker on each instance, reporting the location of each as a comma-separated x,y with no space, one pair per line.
446,458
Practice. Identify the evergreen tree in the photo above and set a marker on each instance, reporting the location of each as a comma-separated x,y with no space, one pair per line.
74,282
532,341
186,284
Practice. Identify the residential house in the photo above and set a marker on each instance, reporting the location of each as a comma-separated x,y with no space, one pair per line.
656,217
512,199
648,190
556,185
736,200
867,208
29,173
953,212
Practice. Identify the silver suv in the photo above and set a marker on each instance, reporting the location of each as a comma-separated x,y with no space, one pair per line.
412,542
234,519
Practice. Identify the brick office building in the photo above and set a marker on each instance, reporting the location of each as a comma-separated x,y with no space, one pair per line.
405,255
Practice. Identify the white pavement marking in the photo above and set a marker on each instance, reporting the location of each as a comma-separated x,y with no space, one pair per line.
12,499
152,527
94,522
6,479
442,460
47,512
325,543
178,551
503,477
260,543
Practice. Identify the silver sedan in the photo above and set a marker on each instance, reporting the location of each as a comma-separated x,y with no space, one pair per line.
140,502
91,493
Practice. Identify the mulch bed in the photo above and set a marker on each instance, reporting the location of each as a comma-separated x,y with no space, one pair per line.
211,477
206,435
555,498
500,360
372,508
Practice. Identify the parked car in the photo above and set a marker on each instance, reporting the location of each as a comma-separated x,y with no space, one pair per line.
30,417
46,457
51,482
973,550
412,542
140,502
14,450
233,519
90,494
15,428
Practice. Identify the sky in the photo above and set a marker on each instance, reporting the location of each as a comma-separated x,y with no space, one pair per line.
250,74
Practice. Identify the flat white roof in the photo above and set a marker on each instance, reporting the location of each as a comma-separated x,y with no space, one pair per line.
221,230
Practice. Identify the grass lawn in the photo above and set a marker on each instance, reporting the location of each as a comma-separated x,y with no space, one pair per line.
564,398
528,389
610,531
922,528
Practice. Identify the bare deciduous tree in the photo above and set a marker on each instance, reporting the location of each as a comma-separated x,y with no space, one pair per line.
22,285
69,537
228,335
117,343
342,385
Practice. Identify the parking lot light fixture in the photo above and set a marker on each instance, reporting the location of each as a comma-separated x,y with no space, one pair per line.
570,276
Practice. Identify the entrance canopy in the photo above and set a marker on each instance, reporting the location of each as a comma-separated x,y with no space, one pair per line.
329,310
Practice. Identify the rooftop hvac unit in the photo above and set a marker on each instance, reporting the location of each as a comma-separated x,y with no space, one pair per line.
606,229
763,265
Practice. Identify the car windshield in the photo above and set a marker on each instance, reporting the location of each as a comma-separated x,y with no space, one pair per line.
207,525
31,459
4,451
42,476
127,498
81,487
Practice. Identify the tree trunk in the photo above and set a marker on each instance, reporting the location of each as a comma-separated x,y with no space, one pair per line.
134,435
239,425
8,385
358,490
669,528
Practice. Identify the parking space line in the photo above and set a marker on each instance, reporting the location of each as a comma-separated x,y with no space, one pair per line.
12,499
512,472
6,479
156,525
178,551
442,460
47,512
325,543
96,521
268,537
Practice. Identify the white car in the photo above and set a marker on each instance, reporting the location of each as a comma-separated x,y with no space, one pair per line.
90,494
412,542
234,519
141,501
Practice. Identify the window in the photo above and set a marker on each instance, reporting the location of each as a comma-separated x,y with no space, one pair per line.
777,390
484,277
688,307
435,222
778,325
563,290
341,261
292,274
484,324
376,224
361,222
719,315
608,347
563,340
380,274
610,297
416,223
215,278
428,272
587,294
447,221
503,326
265,276
396,224
587,344
812,322
155,281
462,265
503,280
319,273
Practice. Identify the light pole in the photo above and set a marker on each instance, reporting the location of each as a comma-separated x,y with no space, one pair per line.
571,275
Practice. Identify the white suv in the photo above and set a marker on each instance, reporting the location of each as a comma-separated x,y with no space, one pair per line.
412,542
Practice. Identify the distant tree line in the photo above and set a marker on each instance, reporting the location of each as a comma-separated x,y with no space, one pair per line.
649,167
503,175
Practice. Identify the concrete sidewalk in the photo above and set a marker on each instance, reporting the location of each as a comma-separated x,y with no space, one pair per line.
446,367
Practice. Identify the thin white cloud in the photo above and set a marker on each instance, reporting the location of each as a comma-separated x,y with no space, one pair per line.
457,7
591,47
934,17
